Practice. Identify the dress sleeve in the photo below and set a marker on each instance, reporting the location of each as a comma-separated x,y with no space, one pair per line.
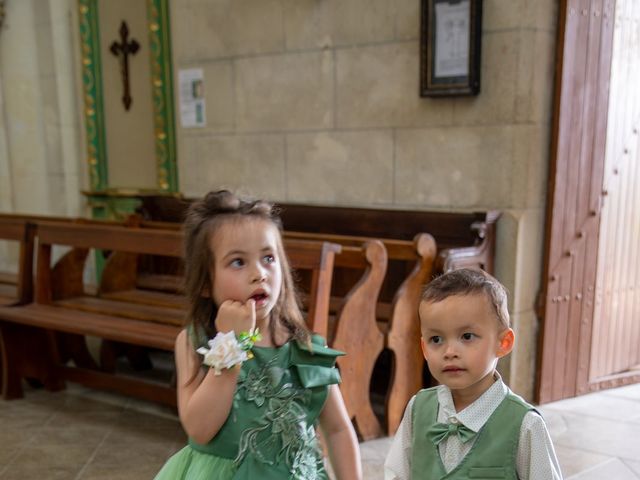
397,465
536,457
316,365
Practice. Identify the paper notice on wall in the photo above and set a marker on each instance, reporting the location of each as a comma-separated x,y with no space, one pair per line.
452,39
192,105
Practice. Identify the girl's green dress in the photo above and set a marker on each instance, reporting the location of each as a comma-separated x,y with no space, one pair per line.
269,433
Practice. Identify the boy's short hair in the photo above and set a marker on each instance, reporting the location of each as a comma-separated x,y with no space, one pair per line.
466,281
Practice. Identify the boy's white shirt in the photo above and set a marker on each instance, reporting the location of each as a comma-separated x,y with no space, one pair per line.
536,458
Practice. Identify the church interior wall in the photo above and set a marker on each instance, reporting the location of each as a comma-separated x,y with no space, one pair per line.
313,101
316,102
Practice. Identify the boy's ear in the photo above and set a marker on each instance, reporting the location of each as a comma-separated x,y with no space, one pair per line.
506,339
424,348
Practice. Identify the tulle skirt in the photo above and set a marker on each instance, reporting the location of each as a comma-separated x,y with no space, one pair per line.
189,464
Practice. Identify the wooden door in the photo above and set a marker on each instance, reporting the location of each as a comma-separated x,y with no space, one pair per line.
586,335
615,342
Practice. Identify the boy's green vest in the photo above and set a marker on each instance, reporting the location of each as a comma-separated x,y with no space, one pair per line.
493,455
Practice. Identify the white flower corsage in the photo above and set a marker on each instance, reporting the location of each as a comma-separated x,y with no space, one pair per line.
225,350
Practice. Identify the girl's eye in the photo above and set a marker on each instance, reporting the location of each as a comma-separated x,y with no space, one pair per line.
236,263
269,259
435,340
468,336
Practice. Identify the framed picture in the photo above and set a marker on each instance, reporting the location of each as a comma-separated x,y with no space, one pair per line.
450,35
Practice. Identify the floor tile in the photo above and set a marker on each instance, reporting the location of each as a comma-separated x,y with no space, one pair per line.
633,465
632,392
81,434
612,407
600,436
613,469
22,472
573,460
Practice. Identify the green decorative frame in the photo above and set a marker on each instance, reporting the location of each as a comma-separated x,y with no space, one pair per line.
161,90
93,105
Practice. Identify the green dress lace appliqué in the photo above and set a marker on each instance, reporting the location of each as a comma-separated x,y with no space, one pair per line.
284,422
269,433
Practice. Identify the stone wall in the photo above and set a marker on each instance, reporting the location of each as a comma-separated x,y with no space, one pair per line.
316,101
40,147
41,167
313,101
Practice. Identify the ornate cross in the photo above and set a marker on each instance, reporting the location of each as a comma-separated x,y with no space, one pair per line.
122,50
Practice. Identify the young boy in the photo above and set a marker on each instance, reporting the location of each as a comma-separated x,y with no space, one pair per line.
471,425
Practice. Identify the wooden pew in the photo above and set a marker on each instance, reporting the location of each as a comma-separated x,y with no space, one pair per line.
355,312
355,331
398,319
463,238
43,335
121,282
17,288
61,322
473,231
353,327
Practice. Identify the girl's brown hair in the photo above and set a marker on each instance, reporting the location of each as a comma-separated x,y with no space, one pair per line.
204,217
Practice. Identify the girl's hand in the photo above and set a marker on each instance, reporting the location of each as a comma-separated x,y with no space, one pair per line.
236,316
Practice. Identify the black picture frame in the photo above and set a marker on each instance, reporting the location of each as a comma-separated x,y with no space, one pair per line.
450,46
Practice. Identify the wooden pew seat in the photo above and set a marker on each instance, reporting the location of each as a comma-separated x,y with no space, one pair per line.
82,322
148,297
8,293
45,340
133,310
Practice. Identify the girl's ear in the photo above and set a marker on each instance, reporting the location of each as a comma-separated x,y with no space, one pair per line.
506,339
206,291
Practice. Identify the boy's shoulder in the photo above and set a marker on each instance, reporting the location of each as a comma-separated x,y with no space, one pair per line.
426,392
518,400
426,395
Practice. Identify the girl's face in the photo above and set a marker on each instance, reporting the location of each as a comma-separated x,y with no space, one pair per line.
246,264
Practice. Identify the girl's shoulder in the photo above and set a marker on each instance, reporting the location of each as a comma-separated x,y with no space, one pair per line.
317,347
315,362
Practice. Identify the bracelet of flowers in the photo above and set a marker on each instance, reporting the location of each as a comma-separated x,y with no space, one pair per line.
226,350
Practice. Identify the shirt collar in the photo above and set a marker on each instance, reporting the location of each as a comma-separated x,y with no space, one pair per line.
476,414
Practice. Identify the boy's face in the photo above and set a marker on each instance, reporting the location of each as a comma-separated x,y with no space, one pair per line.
461,341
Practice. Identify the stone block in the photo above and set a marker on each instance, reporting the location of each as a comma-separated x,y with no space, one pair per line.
350,168
209,29
407,18
378,86
519,249
319,24
498,79
531,150
455,168
285,92
252,164
523,356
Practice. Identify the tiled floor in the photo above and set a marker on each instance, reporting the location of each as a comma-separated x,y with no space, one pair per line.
81,434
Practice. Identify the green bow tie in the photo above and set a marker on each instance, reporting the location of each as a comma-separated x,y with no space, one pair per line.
440,431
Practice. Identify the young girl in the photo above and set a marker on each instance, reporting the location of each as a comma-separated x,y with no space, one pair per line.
251,418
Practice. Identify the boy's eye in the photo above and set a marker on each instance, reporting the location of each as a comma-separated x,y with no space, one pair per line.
436,339
468,336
